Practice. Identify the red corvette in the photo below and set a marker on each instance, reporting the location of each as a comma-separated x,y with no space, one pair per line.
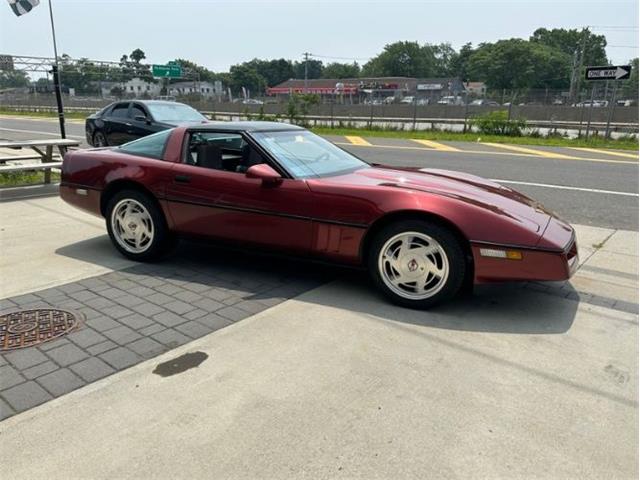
421,233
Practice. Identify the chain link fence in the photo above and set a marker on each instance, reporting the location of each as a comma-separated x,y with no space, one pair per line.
605,108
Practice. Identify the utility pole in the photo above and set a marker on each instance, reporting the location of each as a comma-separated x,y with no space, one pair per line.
574,76
585,33
306,71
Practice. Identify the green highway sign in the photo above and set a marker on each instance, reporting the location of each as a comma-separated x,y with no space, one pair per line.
167,71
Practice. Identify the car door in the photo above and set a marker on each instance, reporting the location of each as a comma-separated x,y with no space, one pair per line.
116,124
224,203
141,122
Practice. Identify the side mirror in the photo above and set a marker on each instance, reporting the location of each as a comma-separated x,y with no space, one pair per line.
265,173
140,118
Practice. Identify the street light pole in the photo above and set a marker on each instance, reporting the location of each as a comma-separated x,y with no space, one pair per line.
56,75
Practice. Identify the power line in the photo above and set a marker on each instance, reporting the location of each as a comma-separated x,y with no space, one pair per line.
612,27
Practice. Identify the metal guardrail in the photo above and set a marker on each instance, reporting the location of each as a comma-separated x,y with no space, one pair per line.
324,120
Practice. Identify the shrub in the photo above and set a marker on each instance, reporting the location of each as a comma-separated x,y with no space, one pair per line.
299,105
498,123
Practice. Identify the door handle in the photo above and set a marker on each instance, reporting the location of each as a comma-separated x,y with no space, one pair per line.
128,124
182,178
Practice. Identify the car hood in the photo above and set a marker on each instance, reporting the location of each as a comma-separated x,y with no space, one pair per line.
464,187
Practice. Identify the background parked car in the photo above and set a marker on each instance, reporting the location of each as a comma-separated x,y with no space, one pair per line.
594,103
124,121
483,102
451,100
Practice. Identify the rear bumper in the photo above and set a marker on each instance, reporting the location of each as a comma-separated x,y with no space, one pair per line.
84,198
543,263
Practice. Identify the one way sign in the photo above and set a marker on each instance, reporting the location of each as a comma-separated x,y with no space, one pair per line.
620,72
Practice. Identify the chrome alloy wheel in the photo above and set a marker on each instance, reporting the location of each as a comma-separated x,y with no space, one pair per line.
413,265
132,226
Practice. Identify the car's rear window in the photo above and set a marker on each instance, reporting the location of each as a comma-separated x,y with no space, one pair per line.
151,146
174,113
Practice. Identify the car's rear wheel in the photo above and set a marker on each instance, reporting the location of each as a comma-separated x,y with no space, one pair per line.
99,140
137,226
417,264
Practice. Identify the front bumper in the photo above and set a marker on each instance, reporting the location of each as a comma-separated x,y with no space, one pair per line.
546,262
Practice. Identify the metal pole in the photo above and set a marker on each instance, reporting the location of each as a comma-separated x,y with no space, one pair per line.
371,112
513,99
466,111
306,71
581,117
607,132
331,114
593,92
56,76
415,113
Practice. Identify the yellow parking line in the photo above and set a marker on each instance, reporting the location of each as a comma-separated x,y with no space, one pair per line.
357,140
529,151
437,146
608,152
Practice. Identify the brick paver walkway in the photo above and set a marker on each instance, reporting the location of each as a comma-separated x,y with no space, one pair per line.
141,312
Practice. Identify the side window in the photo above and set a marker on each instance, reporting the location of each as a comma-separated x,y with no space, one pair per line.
137,111
151,146
120,110
221,151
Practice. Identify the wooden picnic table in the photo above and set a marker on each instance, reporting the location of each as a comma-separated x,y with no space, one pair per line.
43,151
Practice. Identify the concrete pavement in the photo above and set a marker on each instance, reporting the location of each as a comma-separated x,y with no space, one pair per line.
535,380
29,261
338,384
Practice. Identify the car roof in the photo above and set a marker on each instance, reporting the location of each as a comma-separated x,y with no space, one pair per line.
255,126
147,102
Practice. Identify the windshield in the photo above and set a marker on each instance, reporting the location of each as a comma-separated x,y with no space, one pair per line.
174,113
305,154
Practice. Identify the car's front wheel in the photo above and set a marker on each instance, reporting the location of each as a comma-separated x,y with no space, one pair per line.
136,226
416,263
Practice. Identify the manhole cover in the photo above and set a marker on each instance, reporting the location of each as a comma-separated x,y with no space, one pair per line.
25,328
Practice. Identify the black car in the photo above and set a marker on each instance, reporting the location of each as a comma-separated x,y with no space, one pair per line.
124,121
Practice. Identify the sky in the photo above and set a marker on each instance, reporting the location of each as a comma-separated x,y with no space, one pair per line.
218,34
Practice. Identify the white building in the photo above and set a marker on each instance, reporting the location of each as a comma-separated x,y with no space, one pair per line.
206,89
139,87
476,88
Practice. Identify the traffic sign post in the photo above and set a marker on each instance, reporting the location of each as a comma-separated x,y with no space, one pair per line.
606,73
612,72
166,71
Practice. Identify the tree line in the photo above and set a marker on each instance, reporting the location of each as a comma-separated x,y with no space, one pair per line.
547,59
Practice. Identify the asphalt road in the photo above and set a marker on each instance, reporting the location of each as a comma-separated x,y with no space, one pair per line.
592,188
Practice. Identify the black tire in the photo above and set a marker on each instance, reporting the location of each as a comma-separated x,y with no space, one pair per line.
99,140
162,239
452,247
